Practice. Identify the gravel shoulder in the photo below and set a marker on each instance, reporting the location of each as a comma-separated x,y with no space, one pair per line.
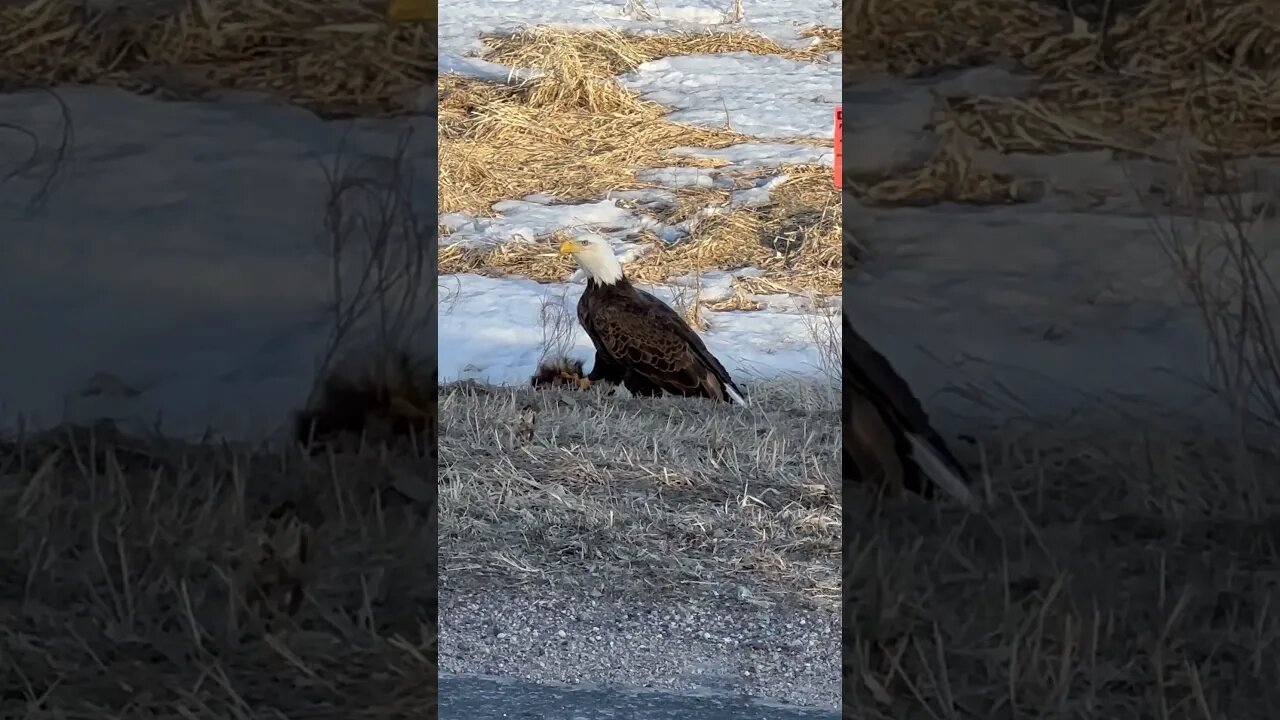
673,544
722,646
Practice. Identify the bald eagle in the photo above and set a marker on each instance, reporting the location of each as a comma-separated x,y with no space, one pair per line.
640,342
887,434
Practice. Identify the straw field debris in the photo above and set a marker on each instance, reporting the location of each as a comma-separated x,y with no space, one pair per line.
224,579
793,240
660,497
501,141
1154,71
539,127
316,54
1123,558
1226,266
952,175
825,39
1108,572
38,154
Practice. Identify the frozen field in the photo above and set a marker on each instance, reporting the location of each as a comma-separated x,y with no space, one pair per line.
1062,304
176,272
775,100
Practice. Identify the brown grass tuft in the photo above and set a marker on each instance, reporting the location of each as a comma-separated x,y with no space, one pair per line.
666,496
225,580
573,132
826,39
608,52
535,260
336,57
951,175
794,240
1185,65
1095,580
496,143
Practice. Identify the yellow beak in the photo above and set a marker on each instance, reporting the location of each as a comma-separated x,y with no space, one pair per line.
567,247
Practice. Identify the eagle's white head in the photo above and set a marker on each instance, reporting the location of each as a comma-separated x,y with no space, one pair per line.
594,254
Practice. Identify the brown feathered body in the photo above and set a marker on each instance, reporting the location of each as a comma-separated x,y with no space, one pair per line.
560,371
647,347
888,437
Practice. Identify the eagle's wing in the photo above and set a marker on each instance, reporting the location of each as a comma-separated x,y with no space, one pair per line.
606,367
643,332
871,378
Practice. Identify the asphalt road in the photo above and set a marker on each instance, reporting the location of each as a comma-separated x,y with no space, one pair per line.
482,698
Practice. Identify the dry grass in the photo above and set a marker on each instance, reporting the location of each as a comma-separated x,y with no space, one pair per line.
1223,260
1202,74
147,578
794,240
669,496
509,141
1171,68
826,39
573,133
38,153
1126,574
380,248
495,144
824,328
376,382
951,175
336,57
604,53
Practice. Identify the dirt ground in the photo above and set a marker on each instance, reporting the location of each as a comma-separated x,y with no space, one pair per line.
150,579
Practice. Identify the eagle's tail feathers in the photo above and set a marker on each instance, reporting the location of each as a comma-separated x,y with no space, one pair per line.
937,471
734,395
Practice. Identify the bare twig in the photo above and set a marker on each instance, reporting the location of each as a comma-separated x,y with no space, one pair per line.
380,258
35,158
558,325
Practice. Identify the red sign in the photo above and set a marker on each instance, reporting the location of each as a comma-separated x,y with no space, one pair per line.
839,145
